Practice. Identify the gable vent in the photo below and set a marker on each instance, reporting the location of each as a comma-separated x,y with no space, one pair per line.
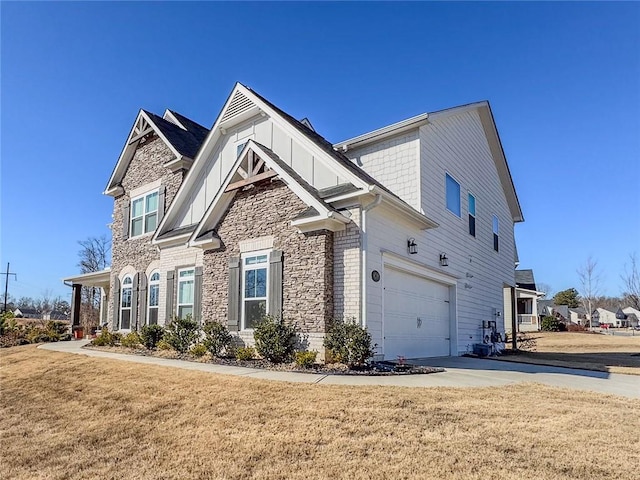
239,104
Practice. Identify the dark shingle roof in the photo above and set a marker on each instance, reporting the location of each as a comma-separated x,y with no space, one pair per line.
341,189
308,213
177,231
194,128
524,279
184,141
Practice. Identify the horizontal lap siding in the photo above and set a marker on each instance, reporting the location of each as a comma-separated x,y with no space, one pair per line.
457,145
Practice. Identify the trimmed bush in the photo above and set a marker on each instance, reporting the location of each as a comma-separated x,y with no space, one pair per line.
198,350
150,335
306,359
216,338
105,339
551,324
275,340
245,353
181,333
349,343
163,345
131,340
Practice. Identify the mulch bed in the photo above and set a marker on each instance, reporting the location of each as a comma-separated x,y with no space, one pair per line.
383,368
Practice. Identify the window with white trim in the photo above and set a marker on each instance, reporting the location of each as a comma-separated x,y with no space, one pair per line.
186,283
144,213
453,195
239,148
254,288
472,215
153,301
126,294
496,232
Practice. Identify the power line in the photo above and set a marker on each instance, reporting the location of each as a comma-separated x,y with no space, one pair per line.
6,284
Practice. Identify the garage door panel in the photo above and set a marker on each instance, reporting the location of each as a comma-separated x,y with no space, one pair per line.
416,316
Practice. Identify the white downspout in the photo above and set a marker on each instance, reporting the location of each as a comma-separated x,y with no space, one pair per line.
363,257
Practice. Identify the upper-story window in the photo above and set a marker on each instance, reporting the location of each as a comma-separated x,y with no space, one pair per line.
453,195
496,233
472,215
125,303
153,301
144,213
254,288
186,281
239,148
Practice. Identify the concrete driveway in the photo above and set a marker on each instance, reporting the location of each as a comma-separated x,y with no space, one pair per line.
459,372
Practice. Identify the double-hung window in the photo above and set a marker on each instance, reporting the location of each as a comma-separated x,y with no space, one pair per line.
254,288
186,280
154,298
472,215
496,232
453,195
144,214
125,303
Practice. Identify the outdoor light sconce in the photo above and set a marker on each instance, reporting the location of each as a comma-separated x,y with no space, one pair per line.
412,246
444,261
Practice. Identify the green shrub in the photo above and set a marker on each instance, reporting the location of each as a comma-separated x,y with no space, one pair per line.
216,338
163,345
275,340
306,359
181,333
245,353
349,343
105,339
552,324
150,335
198,350
131,340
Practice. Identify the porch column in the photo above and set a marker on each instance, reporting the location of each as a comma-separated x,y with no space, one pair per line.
76,297
514,320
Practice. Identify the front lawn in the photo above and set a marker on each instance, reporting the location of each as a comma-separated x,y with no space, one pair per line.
73,417
605,353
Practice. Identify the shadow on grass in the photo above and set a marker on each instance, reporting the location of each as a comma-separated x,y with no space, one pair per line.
594,365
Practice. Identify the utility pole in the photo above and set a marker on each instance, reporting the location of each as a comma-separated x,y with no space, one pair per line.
6,285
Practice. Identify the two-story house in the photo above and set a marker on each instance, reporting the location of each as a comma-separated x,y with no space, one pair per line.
409,229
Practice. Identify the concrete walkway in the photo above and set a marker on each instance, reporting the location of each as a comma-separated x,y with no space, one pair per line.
460,372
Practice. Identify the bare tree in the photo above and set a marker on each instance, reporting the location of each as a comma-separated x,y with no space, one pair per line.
94,257
545,288
631,280
590,279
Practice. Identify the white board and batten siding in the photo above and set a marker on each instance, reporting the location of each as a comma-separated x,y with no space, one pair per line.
456,145
263,130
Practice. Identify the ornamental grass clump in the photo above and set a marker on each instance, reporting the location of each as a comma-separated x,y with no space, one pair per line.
275,340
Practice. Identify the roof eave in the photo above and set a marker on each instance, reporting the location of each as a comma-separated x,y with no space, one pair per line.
384,132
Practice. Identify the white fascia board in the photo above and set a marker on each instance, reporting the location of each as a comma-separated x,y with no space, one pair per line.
198,164
318,223
409,212
384,132
129,150
101,278
294,133
170,117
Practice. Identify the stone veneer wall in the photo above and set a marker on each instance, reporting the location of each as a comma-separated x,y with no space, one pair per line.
147,165
267,209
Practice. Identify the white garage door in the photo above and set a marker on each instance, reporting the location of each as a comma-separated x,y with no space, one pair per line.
416,316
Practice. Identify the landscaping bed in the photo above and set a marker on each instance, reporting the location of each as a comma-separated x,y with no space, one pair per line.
383,368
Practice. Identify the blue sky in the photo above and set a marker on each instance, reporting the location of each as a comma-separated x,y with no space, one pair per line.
563,80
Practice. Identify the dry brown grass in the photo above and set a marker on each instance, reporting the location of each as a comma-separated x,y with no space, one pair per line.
605,353
73,417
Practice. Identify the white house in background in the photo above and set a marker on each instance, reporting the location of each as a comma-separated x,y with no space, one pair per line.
633,316
408,228
578,315
605,316
527,296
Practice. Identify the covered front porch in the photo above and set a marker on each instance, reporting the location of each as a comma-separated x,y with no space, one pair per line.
100,280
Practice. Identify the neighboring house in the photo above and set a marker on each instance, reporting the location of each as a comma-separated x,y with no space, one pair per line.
409,229
27,313
545,308
527,296
633,316
55,315
605,316
578,316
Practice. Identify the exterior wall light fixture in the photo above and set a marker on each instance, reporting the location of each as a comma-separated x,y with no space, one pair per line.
412,246
444,261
